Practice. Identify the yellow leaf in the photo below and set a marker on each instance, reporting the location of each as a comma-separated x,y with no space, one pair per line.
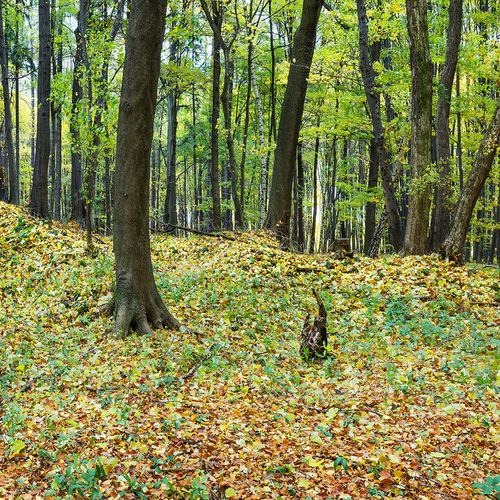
303,483
17,447
230,493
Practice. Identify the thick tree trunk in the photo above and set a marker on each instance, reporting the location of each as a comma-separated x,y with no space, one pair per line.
442,216
77,199
416,237
373,99
280,202
39,200
8,125
453,247
137,302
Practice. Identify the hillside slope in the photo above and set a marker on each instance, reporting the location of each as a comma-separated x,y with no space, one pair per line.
405,406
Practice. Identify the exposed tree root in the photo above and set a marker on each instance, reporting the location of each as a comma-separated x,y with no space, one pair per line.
139,312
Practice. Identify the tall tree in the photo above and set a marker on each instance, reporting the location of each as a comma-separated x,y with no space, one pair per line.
137,303
367,58
77,198
9,140
442,218
421,128
280,198
172,104
488,151
39,200
214,119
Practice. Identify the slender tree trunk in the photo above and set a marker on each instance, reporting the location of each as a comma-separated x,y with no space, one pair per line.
9,140
197,201
444,188
39,200
454,243
57,137
226,100
371,206
279,211
214,163
77,199
416,237
137,302
272,89
459,137
172,102
246,125
312,241
264,174
373,99
301,237
3,180
19,12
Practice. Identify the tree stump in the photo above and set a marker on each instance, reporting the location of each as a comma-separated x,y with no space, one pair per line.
314,336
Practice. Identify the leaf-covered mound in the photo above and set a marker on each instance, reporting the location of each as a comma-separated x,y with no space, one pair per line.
405,405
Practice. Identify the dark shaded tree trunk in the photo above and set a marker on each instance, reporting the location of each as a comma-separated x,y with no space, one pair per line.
39,199
226,100
214,138
373,99
17,187
8,125
453,247
371,206
172,107
57,137
416,237
137,302
459,137
280,198
3,178
301,237
196,172
77,199
444,193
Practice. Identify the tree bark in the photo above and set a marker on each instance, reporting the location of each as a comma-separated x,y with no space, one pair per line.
416,237
301,238
214,138
77,199
453,247
172,98
442,216
371,206
312,241
226,100
39,199
137,302
8,125
280,202
373,99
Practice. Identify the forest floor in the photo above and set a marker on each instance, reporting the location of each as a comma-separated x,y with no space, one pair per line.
406,404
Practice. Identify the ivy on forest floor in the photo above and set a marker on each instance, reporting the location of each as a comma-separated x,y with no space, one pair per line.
406,403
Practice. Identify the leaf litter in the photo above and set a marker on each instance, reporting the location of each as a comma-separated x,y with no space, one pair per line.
404,405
